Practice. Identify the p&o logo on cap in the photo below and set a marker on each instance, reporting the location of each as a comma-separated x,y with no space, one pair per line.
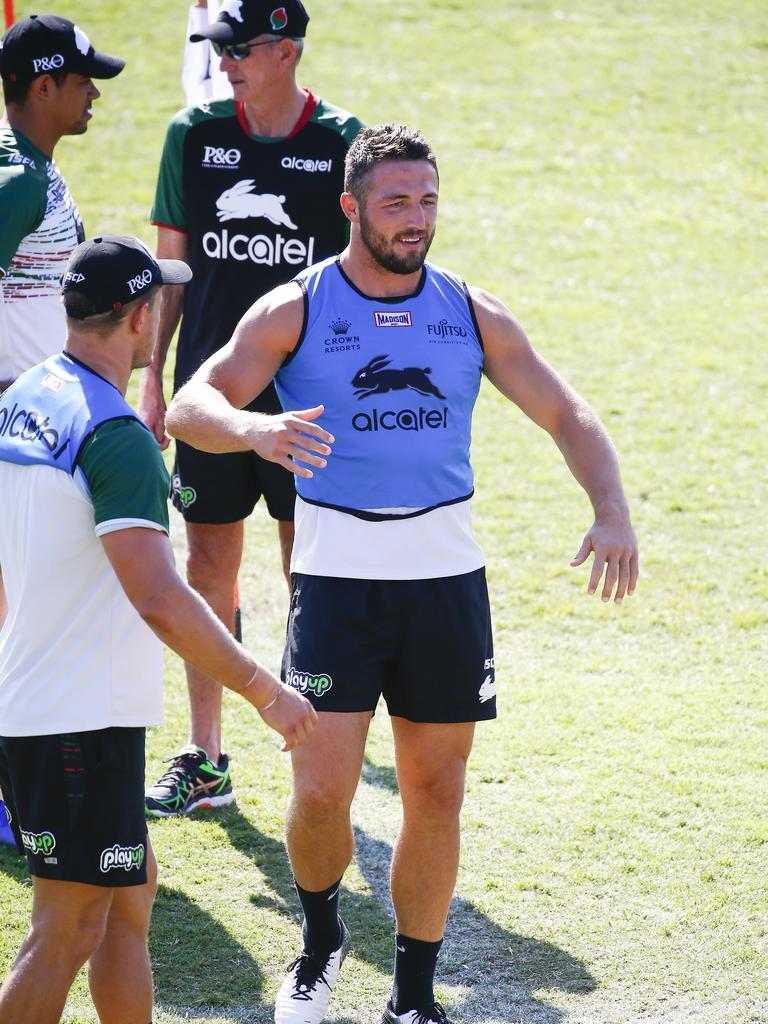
136,284
278,19
52,63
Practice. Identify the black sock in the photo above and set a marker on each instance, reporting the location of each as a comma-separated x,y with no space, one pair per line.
322,928
415,963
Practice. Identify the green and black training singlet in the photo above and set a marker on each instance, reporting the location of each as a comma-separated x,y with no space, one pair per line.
257,210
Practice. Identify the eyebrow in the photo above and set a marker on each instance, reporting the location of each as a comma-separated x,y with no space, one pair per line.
406,195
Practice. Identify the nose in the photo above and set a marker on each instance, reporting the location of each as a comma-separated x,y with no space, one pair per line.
93,92
225,62
417,216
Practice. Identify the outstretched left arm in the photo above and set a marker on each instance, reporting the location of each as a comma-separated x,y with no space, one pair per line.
524,377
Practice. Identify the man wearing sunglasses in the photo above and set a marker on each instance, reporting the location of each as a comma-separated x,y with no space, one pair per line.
248,196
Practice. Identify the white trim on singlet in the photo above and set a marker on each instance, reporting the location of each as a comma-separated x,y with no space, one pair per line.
332,543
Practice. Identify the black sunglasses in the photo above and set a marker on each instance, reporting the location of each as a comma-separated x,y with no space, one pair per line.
239,51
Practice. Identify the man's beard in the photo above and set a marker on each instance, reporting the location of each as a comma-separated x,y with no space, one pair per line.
382,250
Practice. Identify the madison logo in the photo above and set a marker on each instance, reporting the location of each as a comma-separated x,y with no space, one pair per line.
303,681
401,319
241,202
374,379
125,857
278,19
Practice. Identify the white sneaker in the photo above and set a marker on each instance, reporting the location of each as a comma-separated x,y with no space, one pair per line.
435,1015
306,990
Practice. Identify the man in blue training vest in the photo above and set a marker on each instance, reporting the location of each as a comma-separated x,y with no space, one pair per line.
92,592
389,594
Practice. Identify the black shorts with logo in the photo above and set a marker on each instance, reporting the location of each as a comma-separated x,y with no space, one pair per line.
426,645
225,488
76,804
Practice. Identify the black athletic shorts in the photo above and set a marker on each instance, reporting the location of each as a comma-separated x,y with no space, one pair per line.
76,804
224,488
426,645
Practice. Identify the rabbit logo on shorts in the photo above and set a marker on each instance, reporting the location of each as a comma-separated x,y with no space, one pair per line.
241,202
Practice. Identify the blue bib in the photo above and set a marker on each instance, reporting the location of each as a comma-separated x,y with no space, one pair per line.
47,414
399,379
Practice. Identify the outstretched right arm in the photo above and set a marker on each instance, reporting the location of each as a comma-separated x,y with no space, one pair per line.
208,412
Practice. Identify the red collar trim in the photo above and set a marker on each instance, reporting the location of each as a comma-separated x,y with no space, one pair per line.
309,108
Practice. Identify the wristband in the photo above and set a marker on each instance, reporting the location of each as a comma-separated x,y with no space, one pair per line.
274,700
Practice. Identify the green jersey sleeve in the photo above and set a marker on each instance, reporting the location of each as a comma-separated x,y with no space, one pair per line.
126,476
168,207
23,199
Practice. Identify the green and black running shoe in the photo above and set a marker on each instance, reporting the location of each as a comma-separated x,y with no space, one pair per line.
192,782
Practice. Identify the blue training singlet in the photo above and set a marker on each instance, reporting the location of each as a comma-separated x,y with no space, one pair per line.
52,409
399,379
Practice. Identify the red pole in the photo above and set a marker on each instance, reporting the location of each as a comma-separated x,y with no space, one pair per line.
9,19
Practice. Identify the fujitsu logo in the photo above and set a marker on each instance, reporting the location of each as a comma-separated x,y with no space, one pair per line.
444,330
48,63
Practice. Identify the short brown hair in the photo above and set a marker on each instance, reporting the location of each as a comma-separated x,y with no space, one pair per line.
383,142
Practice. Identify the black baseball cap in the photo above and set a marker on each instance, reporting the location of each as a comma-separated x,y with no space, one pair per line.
44,42
243,20
114,270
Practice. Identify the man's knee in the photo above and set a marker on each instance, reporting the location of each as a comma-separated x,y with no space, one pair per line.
76,929
434,796
318,800
211,566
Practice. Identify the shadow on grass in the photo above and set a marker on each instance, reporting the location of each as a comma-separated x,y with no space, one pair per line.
495,971
197,963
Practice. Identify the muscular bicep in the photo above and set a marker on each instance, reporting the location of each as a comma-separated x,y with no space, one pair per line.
516,369
263,339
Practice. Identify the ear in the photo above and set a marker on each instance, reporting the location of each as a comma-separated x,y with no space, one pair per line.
138,317
43,88
350,207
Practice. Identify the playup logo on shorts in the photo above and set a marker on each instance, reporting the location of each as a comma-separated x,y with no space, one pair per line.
125,857
187,495
319,684
38,842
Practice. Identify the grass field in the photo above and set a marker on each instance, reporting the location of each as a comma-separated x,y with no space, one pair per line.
604,171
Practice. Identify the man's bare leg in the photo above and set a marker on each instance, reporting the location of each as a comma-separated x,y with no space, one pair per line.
431,766
431,763
119,972
326,771
214,552
68,924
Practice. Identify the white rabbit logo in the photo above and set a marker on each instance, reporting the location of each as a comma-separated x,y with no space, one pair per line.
232,8
240,202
